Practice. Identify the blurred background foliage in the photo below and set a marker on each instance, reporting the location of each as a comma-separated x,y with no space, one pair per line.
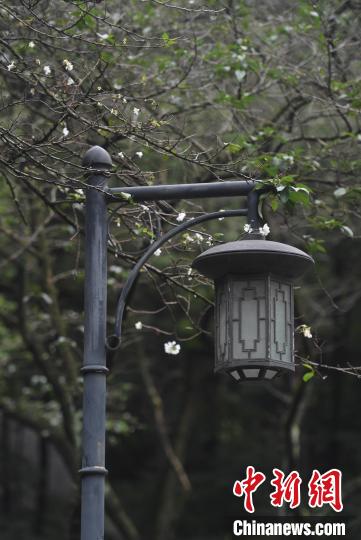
181,91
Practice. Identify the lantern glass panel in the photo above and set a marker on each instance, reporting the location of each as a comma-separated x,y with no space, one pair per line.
281,319
254,326
248,298
270,374
235,375
251,373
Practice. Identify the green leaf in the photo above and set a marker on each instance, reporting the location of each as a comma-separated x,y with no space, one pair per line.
299,196
307,376
274,202
284,195
168,41
85,21
233,148
316,246
310,373
308,366
107,57
111,39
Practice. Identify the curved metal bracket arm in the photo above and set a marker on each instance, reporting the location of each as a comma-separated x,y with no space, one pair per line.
113,341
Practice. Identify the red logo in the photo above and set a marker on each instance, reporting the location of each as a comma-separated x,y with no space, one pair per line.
322,489
287,490
248,486
326,489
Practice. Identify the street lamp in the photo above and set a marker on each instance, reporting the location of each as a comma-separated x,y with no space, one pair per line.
230,276
254,305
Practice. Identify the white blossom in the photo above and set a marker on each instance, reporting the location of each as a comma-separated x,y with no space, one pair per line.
265,230
136,111
138,325
346,230
70,81
65,131
172,347
158,252
46,298
38,379
125,196
181,216
116,269
139,154
121,155
47,70
247,228
339,192
31,45
37,61
198,237
67,64
240,74
55,419
188,238
11,66
288,157
306,330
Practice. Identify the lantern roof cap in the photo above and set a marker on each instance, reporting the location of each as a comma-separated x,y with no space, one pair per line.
253,257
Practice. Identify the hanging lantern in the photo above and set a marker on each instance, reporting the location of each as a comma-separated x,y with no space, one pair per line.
254,322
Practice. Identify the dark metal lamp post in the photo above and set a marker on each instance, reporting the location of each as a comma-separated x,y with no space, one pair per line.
254,305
